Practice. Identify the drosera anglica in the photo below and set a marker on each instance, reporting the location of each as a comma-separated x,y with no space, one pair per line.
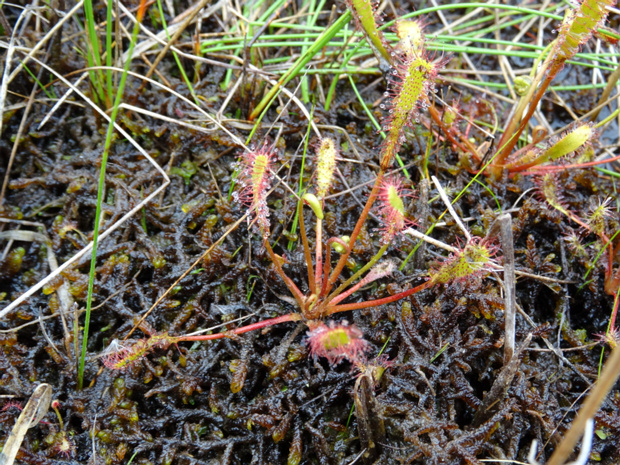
254,182
412,83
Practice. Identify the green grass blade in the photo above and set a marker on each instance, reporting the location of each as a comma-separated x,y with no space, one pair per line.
108,47
176,57
246,12
100,190
305,85
49,94
302,61
301,179
343,68
92,54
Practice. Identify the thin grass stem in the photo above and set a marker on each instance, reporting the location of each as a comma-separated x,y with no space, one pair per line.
176,56
100,191
93,56
301,181
108,47
301,62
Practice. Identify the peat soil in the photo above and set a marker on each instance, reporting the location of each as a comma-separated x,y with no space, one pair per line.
260,397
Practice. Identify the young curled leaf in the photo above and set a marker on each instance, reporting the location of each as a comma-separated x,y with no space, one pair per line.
314,203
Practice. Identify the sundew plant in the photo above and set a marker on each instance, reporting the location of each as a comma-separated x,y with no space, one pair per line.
311,231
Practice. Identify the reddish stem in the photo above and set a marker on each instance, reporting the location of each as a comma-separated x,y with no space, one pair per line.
318,247
612,280
336,294
578,220
509,140
377,302
356,231
550,169
292,287
344,295
243,329
328,257
517,165
469,147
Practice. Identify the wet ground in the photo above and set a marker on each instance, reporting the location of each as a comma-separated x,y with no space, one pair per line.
260,397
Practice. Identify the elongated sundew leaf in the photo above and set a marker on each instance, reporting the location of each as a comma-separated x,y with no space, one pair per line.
411,35
365,16
121,357
254,182
576,140
576,29
412,82
569,143
392,209
326,164
579,24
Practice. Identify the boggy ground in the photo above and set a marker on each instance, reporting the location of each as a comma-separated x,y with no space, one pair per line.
177,406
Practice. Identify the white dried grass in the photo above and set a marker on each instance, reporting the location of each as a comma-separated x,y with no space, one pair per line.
111,228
